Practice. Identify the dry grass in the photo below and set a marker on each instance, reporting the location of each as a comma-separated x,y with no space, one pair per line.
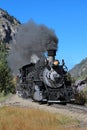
13,118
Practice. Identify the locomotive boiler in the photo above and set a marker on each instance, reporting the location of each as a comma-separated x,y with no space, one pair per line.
45,80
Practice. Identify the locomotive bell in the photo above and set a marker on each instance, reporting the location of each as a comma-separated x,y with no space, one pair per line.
51,55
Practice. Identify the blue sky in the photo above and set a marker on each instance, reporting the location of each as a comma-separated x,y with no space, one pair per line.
67,17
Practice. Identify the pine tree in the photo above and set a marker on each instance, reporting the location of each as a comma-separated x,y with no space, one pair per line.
5,76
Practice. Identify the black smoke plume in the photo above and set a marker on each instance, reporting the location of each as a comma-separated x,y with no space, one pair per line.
30,39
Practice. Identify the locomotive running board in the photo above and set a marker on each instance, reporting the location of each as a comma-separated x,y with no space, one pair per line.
49,101
59,101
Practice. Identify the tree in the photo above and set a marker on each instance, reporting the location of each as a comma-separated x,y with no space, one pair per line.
5,76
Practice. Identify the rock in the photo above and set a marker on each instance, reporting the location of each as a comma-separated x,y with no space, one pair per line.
8,26
81,84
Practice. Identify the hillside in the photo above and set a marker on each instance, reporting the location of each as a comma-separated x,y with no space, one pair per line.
79,70
8,26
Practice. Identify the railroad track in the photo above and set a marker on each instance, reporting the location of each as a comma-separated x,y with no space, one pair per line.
80,112
77,107
18,101
72,107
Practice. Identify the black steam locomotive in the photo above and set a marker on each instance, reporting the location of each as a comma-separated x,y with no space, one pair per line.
45,81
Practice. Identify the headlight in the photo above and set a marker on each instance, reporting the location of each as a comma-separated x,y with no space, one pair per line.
56,62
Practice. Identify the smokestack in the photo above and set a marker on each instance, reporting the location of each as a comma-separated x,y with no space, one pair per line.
51,55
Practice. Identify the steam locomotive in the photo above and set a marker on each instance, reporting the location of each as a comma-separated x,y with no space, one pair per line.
45,80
